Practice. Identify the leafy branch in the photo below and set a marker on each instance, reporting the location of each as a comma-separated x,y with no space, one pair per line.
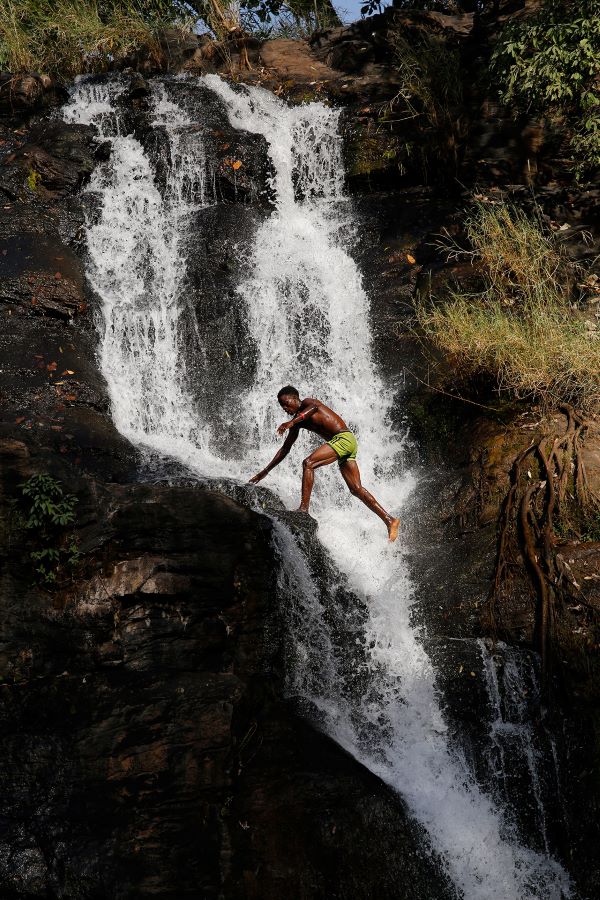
550,63
48,512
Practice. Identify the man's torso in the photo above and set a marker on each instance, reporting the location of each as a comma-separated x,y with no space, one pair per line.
325,422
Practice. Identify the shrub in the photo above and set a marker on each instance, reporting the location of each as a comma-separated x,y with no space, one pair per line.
521,328
431,91
550,62
67,37
48,510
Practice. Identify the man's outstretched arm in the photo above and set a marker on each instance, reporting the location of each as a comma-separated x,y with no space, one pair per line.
279,456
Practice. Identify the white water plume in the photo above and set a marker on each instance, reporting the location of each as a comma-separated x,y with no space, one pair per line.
308,317
136,265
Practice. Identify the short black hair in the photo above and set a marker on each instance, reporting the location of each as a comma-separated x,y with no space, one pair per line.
288,391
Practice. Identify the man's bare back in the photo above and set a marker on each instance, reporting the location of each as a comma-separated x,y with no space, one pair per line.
341,446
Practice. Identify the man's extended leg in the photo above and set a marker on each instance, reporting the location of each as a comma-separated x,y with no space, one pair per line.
322,456
351,475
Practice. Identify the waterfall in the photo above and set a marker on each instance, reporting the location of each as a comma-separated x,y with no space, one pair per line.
517,754
137,266
308,323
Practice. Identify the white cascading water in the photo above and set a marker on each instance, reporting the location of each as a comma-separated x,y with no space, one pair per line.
308,318
513,691
137,266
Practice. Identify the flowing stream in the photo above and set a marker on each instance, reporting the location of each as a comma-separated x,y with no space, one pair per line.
307,320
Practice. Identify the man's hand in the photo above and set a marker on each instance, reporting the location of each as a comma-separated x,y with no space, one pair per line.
257,478
284,427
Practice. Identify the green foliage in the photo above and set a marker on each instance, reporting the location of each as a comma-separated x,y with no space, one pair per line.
294,20
445,6
47,512
431,76
67,37
550,63
48,505
577,524
521,330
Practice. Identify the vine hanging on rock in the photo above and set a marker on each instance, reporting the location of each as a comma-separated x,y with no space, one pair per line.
552,493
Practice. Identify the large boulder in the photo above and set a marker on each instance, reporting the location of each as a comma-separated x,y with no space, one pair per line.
146,747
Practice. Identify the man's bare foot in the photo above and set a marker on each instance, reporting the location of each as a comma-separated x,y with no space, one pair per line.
393,529
302,509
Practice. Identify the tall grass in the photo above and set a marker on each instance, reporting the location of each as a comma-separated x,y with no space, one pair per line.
431,91
431,77
67,37
522,328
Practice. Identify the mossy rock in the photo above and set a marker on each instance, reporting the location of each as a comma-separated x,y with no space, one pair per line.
370,152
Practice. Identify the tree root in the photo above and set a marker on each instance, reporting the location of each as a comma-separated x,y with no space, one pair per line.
526,529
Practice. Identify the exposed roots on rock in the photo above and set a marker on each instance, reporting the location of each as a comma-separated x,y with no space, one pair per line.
552,488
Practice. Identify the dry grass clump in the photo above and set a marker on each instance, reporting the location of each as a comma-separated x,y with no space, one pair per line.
522,328
71,36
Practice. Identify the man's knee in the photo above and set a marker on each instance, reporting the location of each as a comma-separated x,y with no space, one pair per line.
355,489
308,463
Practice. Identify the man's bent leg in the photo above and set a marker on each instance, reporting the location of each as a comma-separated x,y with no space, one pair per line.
322,456
351,475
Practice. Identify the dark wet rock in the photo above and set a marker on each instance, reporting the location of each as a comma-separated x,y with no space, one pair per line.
59,157
51,391
146,748
177,46
139,88
237,165
50,161
302,524
27,92
41,275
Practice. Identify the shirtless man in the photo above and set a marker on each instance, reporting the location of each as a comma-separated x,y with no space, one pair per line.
341,447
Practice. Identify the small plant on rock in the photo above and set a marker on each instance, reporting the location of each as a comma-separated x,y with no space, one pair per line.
33,180
48,512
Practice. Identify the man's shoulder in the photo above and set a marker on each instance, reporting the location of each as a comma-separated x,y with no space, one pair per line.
310,401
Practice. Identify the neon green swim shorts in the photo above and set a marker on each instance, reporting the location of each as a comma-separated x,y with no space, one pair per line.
345,445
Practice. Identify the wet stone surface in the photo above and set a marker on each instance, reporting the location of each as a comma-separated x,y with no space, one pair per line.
148,748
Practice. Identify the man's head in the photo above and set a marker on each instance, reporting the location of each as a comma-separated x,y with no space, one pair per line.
289,399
